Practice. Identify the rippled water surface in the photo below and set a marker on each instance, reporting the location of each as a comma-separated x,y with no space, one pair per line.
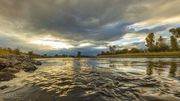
68,79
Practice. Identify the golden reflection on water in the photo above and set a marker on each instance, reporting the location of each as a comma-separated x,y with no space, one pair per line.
109,79
65,74
61,78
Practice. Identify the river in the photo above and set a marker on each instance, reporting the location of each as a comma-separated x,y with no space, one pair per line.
97,79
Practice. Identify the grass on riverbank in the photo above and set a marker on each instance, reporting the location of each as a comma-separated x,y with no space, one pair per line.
152,54
5,52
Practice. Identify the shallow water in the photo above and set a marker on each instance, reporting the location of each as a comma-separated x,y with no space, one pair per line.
68,79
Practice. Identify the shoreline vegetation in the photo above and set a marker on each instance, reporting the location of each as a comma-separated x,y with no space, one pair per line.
143,55
156,48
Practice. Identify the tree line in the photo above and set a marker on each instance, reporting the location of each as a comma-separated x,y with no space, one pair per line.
78,55
152,44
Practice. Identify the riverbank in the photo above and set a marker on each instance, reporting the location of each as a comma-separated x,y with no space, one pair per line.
12,64
143,55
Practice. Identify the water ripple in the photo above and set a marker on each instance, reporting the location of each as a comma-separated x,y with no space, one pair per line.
103,80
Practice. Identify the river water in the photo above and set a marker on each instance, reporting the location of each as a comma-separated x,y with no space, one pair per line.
110,79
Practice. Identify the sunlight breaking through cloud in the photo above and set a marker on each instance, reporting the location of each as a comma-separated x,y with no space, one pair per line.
156,22
51,42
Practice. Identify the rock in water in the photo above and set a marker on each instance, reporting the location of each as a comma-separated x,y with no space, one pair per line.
2,66
3,87
14,64
37,63
29,68
6,76
10,70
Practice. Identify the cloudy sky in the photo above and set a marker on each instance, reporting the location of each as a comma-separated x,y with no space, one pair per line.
68,26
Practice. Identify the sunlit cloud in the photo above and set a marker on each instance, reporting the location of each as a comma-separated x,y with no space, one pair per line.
153,23
51,42
134,35
101,47
128,40
85,44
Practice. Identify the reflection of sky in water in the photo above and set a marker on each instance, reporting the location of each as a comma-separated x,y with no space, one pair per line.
88,77
161,67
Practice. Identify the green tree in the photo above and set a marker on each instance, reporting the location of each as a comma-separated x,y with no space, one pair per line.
102,53
112,49
78,54
161,45
125,50
174,44
150,43
45,55
134,50
161,41
175,32
16,51
30,53
56,55
107,53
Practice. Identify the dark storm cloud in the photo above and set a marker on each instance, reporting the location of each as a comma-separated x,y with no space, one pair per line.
80,21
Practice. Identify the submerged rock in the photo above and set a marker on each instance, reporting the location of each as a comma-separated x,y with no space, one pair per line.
6,76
